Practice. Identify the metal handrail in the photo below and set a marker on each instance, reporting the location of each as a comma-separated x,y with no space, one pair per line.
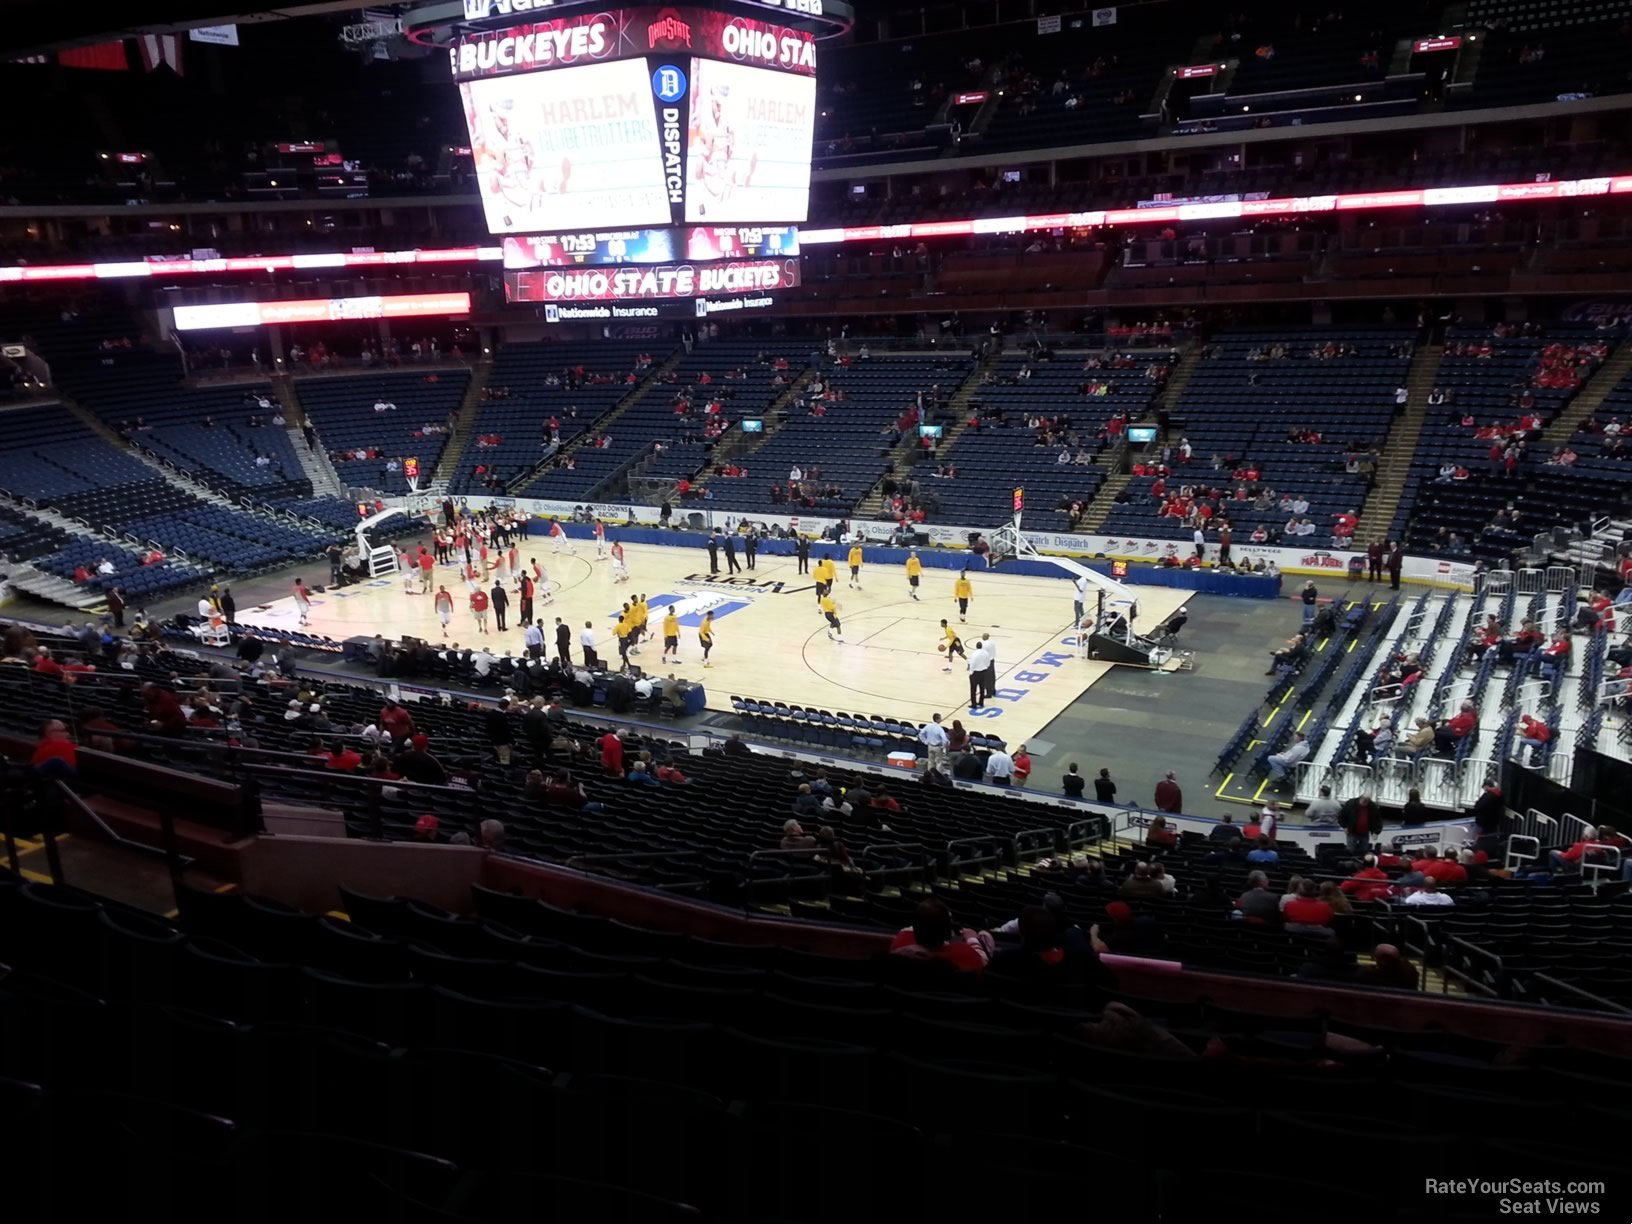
579,860
1099,826
874,849
990,839
1485,953
1051,834
1570,988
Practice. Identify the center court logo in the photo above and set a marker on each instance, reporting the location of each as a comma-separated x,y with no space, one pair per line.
745,586
669,84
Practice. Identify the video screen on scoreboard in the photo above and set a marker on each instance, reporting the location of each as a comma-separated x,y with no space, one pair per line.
572,149
748,144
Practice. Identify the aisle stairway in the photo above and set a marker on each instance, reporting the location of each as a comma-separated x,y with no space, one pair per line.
1189,359
314,462
587,438
169,473
24,577
1100,508
1394,468
463,424
776,416
901,456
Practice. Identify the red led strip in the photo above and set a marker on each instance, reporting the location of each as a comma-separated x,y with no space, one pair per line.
1424,197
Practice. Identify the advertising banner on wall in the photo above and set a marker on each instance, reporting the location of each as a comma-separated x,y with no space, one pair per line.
627,284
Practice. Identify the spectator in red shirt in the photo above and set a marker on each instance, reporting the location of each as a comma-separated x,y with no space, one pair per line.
612,752
883,802
55,755
1456,728
1430,866
1534,735
397,721
1161,834
932,937
1571,860
1169,798
164,716
342,758
1370,883
1306,911
1555,657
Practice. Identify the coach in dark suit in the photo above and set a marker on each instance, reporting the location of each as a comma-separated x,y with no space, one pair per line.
563,640
714,551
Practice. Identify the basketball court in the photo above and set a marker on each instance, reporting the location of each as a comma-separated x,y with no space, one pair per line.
770,640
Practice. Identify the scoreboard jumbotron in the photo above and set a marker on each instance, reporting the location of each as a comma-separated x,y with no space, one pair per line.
639,152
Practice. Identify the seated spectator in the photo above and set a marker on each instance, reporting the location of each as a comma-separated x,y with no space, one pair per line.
1263,852
933,937
1288,758
1388,968
1288,655
1306,912
1128,934
1225,831
1534,736
1571,861
1555,657
1258,903
794,837
1141,885
1457,728
343,758
1431,866
55,755
1430,895
1370,883
1161,834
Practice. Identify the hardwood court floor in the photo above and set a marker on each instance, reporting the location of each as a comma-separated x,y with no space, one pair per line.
770,640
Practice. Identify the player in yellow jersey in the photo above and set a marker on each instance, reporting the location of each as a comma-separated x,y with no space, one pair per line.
835,631
624,631
915,570
824,574
705,635
952,646
963,592
855,567
640,613
671,635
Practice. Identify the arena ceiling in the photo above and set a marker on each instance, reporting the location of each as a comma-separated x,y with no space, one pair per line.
42,25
